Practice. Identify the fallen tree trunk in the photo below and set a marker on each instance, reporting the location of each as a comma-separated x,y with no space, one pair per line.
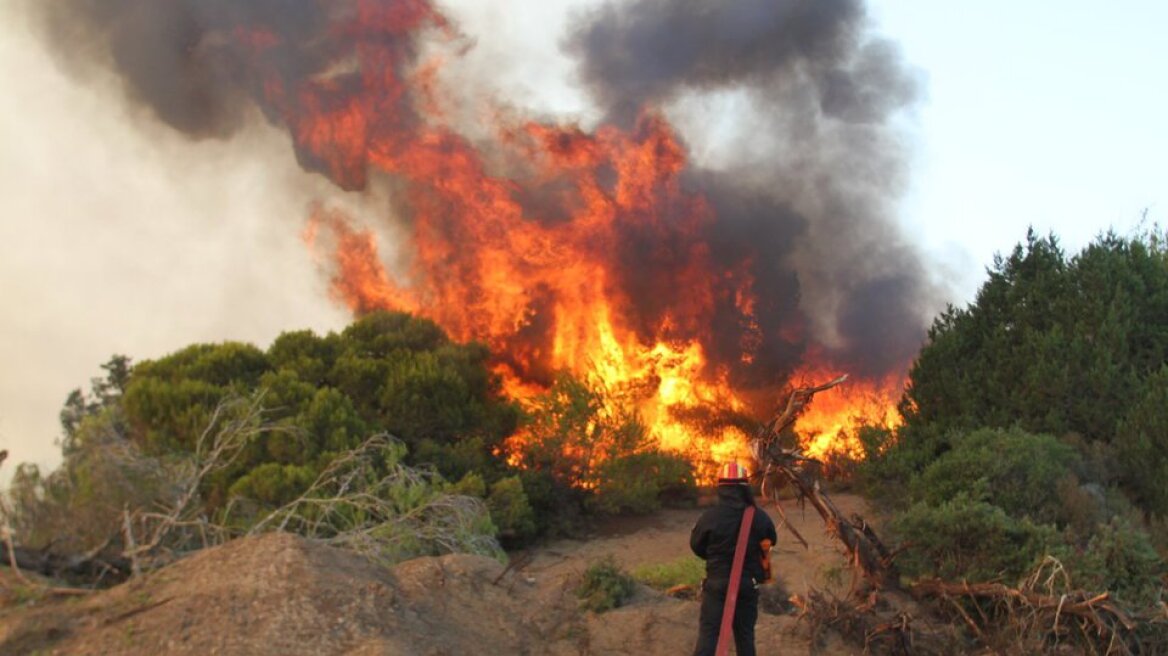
782,467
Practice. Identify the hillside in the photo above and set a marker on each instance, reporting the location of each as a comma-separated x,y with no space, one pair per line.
281,594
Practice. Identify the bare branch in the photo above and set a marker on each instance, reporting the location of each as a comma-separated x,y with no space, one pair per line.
782,467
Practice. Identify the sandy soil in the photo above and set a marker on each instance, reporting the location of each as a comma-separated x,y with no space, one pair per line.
282,595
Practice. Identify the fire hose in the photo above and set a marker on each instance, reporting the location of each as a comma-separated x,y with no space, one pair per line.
731,603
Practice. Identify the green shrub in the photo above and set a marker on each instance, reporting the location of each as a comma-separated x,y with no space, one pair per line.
969,539
574,427
585,449
687,570
605,586
272,484
471,485
511,512
455,459
1158,533
885,473
1013,470
637,483
1121,558
558,508
875,440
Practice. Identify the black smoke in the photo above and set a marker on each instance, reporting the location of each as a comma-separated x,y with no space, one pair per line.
202,66
804,204
808,199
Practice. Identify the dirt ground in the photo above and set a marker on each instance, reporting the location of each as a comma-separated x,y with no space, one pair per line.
283,595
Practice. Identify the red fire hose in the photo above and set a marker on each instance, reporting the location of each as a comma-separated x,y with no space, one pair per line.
735,579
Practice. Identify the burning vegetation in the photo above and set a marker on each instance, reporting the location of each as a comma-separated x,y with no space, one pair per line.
647,303
691,292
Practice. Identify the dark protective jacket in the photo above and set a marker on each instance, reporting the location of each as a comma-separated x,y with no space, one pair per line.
716,533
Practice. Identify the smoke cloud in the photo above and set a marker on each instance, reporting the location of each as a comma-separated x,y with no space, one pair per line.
818,163
801,206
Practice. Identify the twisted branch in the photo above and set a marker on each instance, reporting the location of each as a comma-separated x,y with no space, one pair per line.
782,467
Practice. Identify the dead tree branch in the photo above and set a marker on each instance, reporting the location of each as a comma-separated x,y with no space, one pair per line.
181,525
385,511
1044,609
782,467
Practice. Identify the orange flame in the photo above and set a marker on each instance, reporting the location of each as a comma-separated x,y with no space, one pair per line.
522,247
827,426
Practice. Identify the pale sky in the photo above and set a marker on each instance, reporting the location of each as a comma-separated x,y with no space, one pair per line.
1041,113
1047,114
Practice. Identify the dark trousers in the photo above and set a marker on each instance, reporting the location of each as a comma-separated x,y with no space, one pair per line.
745,615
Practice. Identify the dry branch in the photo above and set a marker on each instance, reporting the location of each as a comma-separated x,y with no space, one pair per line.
879,628
384,511
364,500
1048,617
781,467
181,525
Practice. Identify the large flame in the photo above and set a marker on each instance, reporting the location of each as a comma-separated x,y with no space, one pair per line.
560,248
828,425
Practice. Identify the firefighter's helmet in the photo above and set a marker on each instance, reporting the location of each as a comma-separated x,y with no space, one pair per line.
733,473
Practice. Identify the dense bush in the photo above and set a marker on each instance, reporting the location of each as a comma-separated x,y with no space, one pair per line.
557,506
999,501
1142,445
1034,418
964,538
511,511
582,447
1011,469
1120,558
319,397
637,483
109,496
386,372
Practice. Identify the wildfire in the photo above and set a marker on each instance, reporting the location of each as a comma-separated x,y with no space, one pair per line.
560,248
827,426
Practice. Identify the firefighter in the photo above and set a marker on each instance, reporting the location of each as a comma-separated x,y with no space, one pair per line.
714,540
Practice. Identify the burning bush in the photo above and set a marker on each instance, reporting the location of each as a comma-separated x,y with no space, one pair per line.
587,441
315,400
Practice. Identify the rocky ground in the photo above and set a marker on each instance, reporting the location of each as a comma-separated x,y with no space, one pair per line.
282,595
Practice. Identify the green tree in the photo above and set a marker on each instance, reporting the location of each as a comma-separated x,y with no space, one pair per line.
1053,345
1142,443
104,393
385,373
1024,408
